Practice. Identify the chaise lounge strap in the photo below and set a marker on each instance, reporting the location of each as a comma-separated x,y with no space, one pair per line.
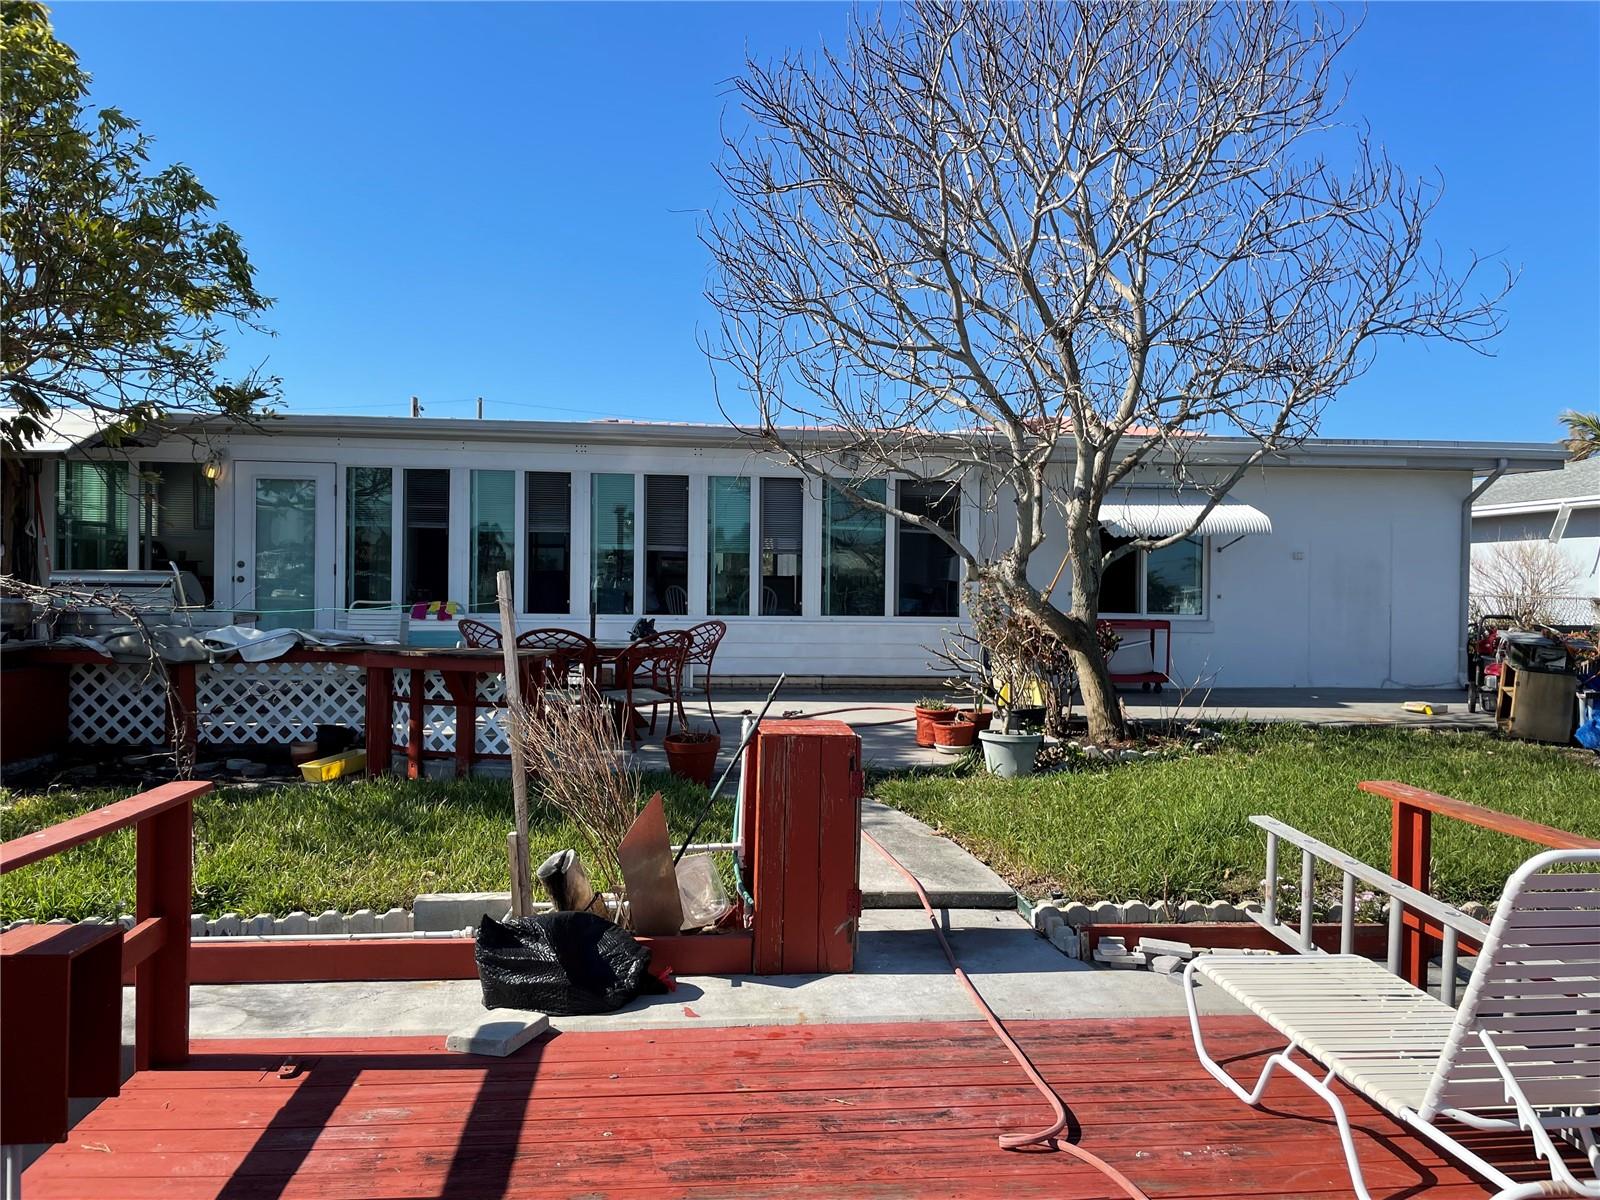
1379,1034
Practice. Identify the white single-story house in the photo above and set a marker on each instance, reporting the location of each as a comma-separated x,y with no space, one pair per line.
1560,508
1335,564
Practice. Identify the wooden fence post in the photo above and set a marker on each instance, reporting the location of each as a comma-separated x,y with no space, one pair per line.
165,888
1411,859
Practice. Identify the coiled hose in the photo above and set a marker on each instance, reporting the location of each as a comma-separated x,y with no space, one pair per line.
1011,1141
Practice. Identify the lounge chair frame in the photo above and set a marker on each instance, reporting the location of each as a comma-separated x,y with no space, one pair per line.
1536,981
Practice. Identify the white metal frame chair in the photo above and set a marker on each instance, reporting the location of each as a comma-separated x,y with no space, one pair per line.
1522,1052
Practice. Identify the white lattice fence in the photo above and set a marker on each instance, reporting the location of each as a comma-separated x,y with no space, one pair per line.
271,703
116,704
439,714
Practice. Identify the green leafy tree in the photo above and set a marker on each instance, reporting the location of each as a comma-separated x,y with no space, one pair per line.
118,282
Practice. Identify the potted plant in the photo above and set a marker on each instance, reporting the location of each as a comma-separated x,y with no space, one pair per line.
692,754
954,735
931,711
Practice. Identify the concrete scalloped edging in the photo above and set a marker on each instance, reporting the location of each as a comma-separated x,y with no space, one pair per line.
431,913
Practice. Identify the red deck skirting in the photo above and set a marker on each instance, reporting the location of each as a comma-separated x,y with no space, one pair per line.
842,1111
283,961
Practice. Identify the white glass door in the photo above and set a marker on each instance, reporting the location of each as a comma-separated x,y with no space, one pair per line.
284,564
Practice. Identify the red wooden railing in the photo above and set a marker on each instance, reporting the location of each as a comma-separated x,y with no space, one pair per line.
156,949
1411,854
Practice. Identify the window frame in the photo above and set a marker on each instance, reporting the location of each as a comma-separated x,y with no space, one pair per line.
1142,582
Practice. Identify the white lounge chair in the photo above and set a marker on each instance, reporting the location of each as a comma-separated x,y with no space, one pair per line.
1521,1052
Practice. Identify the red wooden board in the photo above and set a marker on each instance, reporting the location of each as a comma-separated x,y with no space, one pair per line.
893,1110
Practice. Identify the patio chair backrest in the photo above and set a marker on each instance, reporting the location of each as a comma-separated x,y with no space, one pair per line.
1535,991
660,655
479,633
570,649
704,639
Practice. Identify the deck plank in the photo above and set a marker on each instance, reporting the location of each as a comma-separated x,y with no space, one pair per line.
874,1111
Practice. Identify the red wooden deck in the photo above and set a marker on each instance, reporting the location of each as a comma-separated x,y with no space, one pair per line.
907,1110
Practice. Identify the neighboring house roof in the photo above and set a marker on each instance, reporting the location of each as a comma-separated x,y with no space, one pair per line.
1577,484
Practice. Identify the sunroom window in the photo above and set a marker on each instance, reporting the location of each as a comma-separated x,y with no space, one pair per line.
728,580
853,553
782,508
427,543
666,544
494,519
549,520
369,536
92,516
611,526
928,570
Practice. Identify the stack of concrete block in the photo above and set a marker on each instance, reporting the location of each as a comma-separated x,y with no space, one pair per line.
1112,951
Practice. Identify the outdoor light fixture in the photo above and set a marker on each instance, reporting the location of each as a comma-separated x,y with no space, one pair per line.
212,468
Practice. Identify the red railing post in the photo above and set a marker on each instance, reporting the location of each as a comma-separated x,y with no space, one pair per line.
1411,858
165,887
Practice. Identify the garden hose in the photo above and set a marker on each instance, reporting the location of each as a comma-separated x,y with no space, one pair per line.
1048,1136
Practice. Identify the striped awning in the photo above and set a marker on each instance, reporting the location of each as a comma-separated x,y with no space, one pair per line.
1163,514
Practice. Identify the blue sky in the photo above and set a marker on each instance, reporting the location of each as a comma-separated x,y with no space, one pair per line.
455,200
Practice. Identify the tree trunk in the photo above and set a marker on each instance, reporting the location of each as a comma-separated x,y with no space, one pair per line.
1100,704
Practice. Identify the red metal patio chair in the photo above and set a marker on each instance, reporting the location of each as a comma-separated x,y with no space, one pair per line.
650,673
479,633
704,639
568,649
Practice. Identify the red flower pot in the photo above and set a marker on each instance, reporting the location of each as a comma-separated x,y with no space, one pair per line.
928,718
979,718
692,759
954,733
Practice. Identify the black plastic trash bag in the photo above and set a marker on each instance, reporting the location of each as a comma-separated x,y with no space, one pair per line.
561,963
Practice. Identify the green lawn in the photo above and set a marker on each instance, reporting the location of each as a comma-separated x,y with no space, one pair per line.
366,844
1177,829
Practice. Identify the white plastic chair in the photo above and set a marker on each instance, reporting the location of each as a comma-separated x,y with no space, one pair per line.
1521,1052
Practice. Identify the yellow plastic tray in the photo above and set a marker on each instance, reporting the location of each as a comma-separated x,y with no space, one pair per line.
320,770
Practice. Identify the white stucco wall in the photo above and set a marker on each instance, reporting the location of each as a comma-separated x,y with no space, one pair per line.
1357,586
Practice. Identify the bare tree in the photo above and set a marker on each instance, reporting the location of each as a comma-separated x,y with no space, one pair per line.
1043,246
1530,580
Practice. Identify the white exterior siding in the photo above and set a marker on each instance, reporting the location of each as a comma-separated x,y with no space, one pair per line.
1358,585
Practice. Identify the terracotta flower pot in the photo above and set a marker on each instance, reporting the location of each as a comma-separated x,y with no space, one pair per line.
979,718
954,733
927,718
693,760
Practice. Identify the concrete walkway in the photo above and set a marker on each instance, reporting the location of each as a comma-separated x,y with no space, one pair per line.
951,877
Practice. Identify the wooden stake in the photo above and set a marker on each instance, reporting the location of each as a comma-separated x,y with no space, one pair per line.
521,897
519,878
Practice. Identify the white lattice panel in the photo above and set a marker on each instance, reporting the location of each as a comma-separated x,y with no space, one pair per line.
433,687
491,734
438,727
116,704
491,689
271,703
400,725
400,685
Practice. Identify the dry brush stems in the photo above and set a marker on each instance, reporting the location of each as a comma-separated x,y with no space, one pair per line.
573,748
1045,245
1528,580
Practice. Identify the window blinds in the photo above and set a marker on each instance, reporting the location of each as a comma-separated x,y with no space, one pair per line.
666,512
549,502
427,499
782,503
